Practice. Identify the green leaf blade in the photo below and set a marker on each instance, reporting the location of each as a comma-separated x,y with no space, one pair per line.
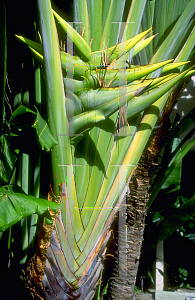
16,205
46,139
174,222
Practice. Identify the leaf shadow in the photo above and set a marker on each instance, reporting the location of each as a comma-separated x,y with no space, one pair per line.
86,149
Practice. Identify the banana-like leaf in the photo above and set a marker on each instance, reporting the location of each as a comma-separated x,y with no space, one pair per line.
61,155
135,106
93,82
80,67
171,14
85,83
173,26
152,96
73,105
7,161
147,22
135,15
97,169
86,120
95,23
81,13
45,137
174,67
57,119
95,98
34,45
188,47
79,42
118,77
23,118
107,56
142,45
16,205
175,37
112,24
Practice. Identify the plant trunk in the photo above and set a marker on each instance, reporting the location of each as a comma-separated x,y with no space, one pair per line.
123,284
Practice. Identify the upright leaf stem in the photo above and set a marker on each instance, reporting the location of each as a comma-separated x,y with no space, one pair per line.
57,119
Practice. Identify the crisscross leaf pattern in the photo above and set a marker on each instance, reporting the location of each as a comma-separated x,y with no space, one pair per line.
101,119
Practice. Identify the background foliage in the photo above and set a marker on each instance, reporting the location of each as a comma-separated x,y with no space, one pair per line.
20,88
